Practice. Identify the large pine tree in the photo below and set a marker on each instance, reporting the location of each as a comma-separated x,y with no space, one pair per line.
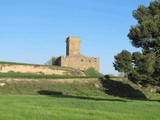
145,35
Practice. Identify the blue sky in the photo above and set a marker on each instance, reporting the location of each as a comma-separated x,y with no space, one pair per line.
32,31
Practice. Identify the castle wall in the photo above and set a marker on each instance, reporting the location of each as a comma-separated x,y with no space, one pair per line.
56,61
80,62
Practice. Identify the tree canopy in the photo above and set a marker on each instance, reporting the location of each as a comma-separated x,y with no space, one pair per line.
123,62
143,67
146,34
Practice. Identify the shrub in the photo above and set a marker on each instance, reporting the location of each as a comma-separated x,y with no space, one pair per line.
107,77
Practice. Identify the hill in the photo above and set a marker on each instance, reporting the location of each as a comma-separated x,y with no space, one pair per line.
23,70
75,98
84,87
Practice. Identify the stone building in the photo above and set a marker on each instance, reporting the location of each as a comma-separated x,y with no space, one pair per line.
74,58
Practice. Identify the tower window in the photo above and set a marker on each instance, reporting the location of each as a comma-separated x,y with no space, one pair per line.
82,60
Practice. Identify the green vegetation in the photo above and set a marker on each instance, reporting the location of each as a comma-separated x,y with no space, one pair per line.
123,62
33,76
42,76
92,73
35,87
119,87
143,67
93,100
28,107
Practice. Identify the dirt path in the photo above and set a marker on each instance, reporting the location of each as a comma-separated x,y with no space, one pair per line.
80,80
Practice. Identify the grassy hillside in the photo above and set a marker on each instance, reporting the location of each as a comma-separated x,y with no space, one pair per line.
68,72
64,87
78,86
94,99
79,98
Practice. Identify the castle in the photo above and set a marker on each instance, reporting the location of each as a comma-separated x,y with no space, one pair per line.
74,58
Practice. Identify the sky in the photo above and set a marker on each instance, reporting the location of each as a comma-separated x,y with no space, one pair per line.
32,31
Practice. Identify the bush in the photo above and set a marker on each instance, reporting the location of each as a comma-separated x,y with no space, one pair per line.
107,77
91,72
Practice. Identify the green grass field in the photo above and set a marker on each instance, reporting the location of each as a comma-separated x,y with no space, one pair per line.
45,100
39,107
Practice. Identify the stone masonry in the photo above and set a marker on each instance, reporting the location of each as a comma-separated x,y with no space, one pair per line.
74,58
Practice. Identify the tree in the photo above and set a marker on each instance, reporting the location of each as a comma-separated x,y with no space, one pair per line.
123,62
146,34
143,67
136,58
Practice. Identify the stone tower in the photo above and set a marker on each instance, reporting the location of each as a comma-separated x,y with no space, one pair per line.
74,58
73,46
